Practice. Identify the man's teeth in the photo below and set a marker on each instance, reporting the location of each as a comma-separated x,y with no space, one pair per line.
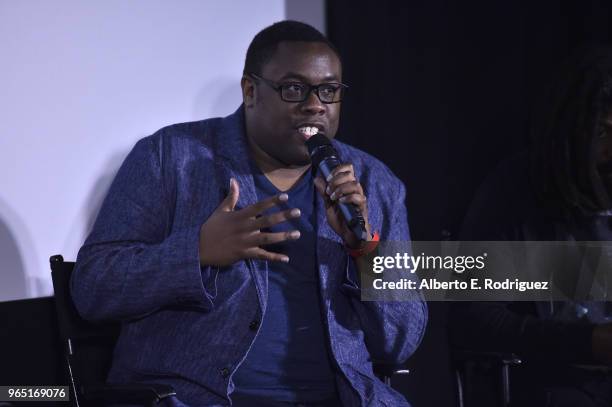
308,131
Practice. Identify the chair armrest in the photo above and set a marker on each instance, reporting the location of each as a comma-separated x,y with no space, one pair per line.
595,368
504,358
128,393
388,370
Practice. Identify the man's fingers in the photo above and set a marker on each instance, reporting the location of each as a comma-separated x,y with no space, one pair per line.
259,253
275,218
339,179
252,211
339,169
229,203
348,188
355,199
266,238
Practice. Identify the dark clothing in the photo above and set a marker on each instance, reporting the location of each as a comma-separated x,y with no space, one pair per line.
251,401
549,336
289,359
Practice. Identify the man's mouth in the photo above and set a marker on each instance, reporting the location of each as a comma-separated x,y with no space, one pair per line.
308,131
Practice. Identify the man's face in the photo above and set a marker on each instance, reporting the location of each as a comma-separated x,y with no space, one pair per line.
273,124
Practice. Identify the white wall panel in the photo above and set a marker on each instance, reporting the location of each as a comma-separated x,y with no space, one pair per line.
80,83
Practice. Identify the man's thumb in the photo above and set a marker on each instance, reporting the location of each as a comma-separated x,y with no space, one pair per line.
320,184
231,199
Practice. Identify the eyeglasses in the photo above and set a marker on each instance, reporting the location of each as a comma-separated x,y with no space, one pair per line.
298,92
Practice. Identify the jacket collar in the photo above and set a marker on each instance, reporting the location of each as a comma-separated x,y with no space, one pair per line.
233,150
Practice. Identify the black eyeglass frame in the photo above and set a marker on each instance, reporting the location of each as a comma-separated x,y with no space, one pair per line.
279,88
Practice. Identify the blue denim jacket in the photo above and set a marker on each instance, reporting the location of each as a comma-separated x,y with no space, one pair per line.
140,265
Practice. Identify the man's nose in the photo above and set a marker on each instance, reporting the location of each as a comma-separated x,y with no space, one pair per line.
313,104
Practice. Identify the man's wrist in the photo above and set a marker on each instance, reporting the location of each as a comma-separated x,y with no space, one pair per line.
352,242
365,247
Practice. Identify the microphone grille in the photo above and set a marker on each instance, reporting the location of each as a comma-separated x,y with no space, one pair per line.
320,148
316,141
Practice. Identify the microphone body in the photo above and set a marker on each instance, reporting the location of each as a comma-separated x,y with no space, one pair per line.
324,157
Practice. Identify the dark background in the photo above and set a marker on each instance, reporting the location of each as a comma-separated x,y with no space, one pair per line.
441,91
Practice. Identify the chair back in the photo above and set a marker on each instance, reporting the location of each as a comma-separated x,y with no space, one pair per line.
88,346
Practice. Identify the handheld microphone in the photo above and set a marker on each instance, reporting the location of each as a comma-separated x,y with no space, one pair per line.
324,157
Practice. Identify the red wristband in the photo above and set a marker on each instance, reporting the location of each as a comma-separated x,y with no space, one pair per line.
367,247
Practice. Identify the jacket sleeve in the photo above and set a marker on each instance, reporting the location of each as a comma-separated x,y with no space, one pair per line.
393,329
132,263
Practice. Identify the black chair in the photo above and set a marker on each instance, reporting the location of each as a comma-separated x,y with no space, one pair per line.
88,350
385,371
467,364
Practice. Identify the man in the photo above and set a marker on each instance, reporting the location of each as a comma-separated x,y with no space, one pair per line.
558,190
231,276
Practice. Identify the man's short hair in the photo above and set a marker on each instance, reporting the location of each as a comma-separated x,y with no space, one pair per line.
264,44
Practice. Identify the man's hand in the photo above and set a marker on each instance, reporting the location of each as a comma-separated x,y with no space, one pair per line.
602,343
228,236
342,186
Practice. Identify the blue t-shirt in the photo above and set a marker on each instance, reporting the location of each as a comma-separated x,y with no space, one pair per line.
289,360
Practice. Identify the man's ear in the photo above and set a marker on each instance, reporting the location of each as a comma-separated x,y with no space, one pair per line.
248,91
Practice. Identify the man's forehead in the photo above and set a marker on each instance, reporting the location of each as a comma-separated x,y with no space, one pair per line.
303,59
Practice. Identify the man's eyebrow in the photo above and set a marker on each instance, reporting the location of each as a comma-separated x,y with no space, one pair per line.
302,78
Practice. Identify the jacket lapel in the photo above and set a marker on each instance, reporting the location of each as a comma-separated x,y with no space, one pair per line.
233,153
330,252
